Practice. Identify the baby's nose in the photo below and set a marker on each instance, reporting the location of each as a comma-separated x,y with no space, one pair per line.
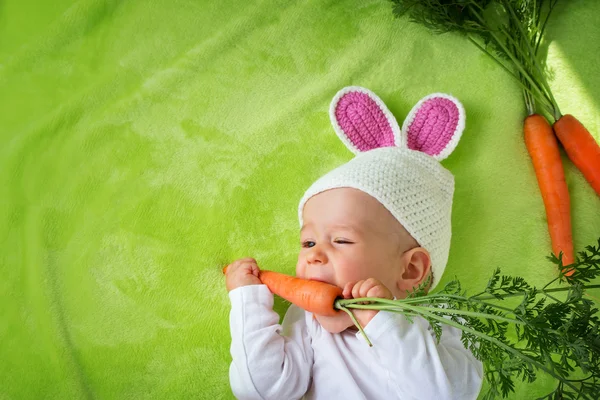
316,256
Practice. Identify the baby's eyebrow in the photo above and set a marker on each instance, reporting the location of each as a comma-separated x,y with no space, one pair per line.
344,227
305,227
347,227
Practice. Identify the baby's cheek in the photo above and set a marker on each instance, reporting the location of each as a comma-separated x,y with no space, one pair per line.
300,271
352,270
341,279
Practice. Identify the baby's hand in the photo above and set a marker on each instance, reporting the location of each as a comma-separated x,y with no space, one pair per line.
366,288
242,272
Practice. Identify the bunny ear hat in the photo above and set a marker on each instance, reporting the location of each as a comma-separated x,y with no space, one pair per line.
400,167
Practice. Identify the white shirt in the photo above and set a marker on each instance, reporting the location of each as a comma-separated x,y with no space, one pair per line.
300,358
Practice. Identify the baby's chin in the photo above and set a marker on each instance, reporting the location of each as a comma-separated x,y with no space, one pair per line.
336,324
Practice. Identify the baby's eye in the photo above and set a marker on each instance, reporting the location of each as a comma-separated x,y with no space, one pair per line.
343,241
307,244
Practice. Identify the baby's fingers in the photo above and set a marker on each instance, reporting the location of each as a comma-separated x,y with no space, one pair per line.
242,273
370,288
347,291
379,290
363,288
253,269
244,263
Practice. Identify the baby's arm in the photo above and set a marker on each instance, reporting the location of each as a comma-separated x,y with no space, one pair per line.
421,367
269,361
418,365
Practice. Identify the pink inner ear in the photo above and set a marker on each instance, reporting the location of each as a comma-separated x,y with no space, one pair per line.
434,125
363,122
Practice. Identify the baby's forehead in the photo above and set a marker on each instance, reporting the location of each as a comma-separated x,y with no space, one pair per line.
352,209
349,204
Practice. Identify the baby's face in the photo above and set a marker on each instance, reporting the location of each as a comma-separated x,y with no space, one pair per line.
348,236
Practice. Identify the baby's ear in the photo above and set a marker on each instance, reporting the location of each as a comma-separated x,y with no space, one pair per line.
434,125
362,121
417,267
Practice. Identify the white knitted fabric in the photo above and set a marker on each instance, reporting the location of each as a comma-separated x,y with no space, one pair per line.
411,184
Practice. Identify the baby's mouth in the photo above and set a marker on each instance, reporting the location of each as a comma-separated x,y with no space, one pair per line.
319,280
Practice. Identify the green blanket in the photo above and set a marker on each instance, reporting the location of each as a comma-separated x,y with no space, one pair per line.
143,144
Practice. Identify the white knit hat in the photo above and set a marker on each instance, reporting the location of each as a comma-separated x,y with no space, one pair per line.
400,168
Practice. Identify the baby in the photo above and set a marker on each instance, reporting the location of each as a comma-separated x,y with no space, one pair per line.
378,226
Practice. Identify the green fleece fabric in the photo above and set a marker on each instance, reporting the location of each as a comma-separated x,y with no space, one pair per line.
145,143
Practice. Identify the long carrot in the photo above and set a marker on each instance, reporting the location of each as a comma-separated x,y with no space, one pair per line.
543,149
581,148
313,296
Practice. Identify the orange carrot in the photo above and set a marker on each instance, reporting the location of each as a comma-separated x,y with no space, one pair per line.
581,148
313,296
543,149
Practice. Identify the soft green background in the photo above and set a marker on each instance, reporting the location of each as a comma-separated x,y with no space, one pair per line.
145,143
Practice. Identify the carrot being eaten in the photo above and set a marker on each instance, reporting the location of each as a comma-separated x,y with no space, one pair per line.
313,296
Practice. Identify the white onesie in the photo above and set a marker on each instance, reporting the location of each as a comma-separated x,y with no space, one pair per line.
299,358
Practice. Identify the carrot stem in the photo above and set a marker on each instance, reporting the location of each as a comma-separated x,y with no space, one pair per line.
402,305
357,324
533,60
517,63
519,79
